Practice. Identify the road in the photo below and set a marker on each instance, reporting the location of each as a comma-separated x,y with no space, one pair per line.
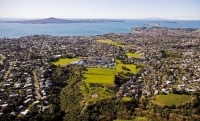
36,85
8,71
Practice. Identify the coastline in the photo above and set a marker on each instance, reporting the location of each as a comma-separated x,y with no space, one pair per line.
17,30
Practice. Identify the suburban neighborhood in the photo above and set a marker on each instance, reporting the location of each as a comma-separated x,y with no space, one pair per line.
169,62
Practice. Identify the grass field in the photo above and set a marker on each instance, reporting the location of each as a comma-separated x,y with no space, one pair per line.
132,67
100,75
2,57
127,99
108,41
106,75
66,61
103,76
93,94
134,55
170,99
129,66
141,119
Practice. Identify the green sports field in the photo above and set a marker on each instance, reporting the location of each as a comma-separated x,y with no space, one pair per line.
100,75
134,55
66,61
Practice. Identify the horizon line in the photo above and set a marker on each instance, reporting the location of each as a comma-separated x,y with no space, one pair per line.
148,18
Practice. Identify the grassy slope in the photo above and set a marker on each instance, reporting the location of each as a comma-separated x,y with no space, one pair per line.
170,99
65,61
103,76
135,55
108,41
129,66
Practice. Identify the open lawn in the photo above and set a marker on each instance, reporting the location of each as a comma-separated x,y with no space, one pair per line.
141,119
66,61
92,94
2,57
134,55
106,75
108,41
132,67
127,99
100,75
170,99
103,76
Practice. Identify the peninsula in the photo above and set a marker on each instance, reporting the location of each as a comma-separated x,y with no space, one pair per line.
53,20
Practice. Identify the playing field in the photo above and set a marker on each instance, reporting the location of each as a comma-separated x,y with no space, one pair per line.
104,76
132,67
134,55
127,99
170,99
66,61
100,75
108,41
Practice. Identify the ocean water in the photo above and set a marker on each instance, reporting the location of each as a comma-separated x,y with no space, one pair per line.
15,30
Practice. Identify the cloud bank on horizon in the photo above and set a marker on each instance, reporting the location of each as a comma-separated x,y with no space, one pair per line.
118,9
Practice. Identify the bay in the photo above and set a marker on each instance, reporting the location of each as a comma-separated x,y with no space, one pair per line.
15,30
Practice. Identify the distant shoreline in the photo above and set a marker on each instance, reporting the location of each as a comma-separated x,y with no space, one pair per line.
17,30
134,30
52,20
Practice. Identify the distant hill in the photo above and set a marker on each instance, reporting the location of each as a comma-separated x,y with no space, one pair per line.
53,20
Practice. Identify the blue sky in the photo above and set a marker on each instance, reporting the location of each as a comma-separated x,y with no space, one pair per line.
119,9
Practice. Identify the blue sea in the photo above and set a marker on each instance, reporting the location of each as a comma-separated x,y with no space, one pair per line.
15,30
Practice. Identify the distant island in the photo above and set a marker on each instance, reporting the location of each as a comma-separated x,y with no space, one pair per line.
53,20
153,24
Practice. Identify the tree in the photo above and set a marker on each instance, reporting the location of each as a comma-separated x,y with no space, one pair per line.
174,91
